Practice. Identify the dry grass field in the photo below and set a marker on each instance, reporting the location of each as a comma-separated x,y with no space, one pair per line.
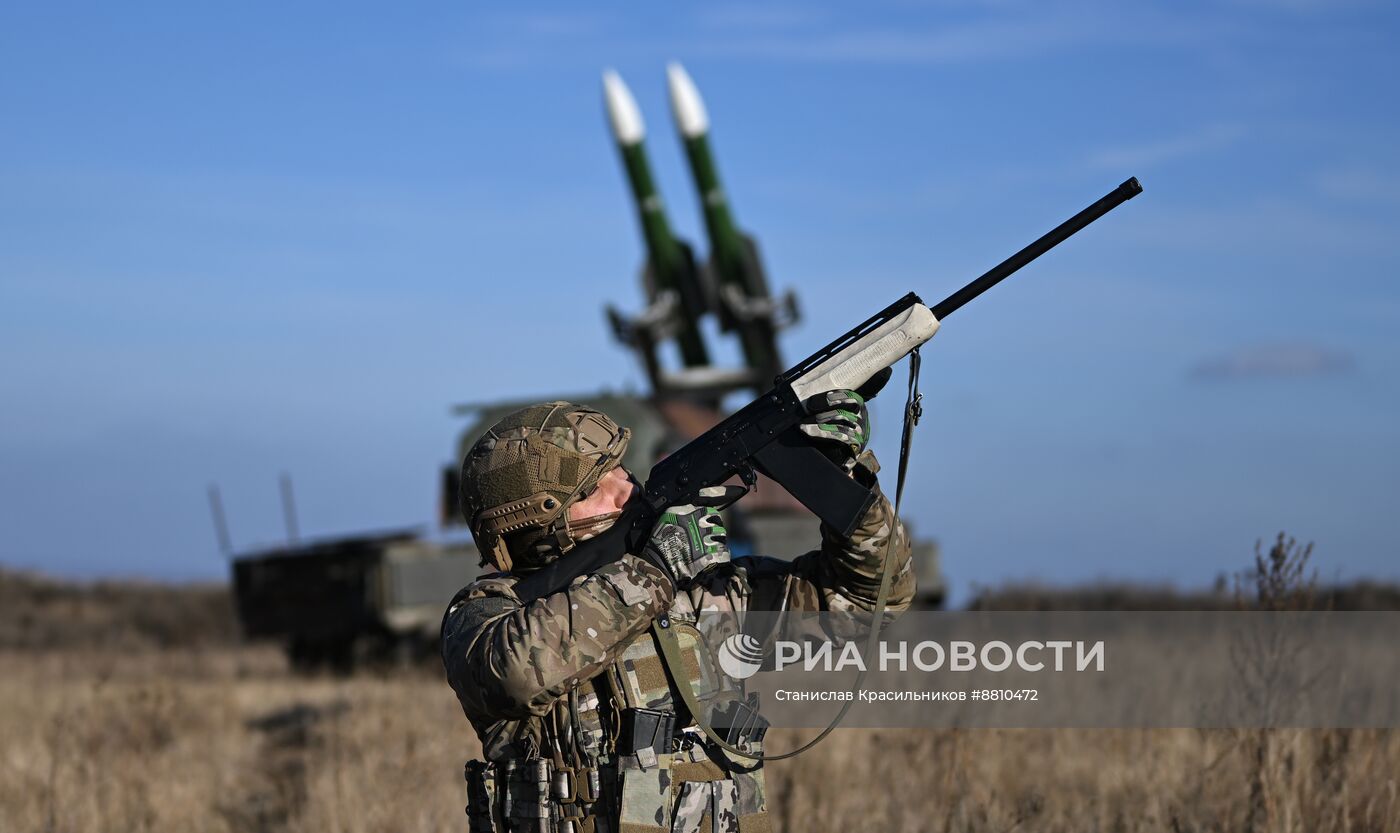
226,740
166,727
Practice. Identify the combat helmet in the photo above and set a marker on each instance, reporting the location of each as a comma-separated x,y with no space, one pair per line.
519,480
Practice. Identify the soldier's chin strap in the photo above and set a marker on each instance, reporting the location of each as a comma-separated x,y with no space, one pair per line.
670,645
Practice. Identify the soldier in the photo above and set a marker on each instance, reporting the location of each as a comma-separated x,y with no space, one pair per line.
575,707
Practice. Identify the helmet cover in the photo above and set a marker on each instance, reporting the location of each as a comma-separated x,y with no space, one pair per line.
519,480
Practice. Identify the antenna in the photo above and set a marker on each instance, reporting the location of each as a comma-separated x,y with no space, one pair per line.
289,510
216,508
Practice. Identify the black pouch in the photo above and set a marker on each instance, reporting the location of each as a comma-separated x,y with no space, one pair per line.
739,722
645,733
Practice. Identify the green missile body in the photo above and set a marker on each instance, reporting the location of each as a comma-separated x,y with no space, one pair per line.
670,262
745,304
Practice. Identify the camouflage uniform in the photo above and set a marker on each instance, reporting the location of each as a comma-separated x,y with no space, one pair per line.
555,687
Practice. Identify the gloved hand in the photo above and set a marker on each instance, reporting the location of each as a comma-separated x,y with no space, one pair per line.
840,421
690,540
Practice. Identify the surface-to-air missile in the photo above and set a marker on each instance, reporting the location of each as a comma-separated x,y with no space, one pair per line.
679,294
676,291
744,304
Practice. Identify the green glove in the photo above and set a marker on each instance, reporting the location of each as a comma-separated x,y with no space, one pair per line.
840,420
690,540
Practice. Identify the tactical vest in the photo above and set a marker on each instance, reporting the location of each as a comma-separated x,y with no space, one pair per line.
614,757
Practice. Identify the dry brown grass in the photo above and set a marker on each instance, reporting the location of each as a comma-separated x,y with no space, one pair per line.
223,741
1090,780
38,613
227,740
132,708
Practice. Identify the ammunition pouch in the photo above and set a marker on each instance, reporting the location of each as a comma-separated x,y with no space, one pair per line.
531,794
481,798
739,722
663,783
644,735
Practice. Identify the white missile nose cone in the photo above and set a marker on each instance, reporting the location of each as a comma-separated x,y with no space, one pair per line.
691,119
623,114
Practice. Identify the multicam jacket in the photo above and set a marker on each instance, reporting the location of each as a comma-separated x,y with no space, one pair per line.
553,687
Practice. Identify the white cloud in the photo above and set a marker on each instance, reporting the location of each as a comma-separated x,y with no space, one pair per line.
990,31
1304,6
948,44
1359,185
556,24
1202,140
1266,225
1274,361
744,16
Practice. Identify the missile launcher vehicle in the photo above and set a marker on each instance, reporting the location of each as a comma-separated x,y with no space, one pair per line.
340,601
347,600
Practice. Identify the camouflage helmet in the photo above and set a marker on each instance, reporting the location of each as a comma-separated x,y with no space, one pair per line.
520,478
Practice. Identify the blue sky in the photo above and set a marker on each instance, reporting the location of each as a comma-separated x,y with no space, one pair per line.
236,241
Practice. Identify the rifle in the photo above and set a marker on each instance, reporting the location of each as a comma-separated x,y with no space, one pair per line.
762,436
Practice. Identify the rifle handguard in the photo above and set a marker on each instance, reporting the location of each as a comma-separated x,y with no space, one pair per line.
855,364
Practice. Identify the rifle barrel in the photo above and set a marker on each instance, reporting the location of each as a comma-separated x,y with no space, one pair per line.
1048,241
